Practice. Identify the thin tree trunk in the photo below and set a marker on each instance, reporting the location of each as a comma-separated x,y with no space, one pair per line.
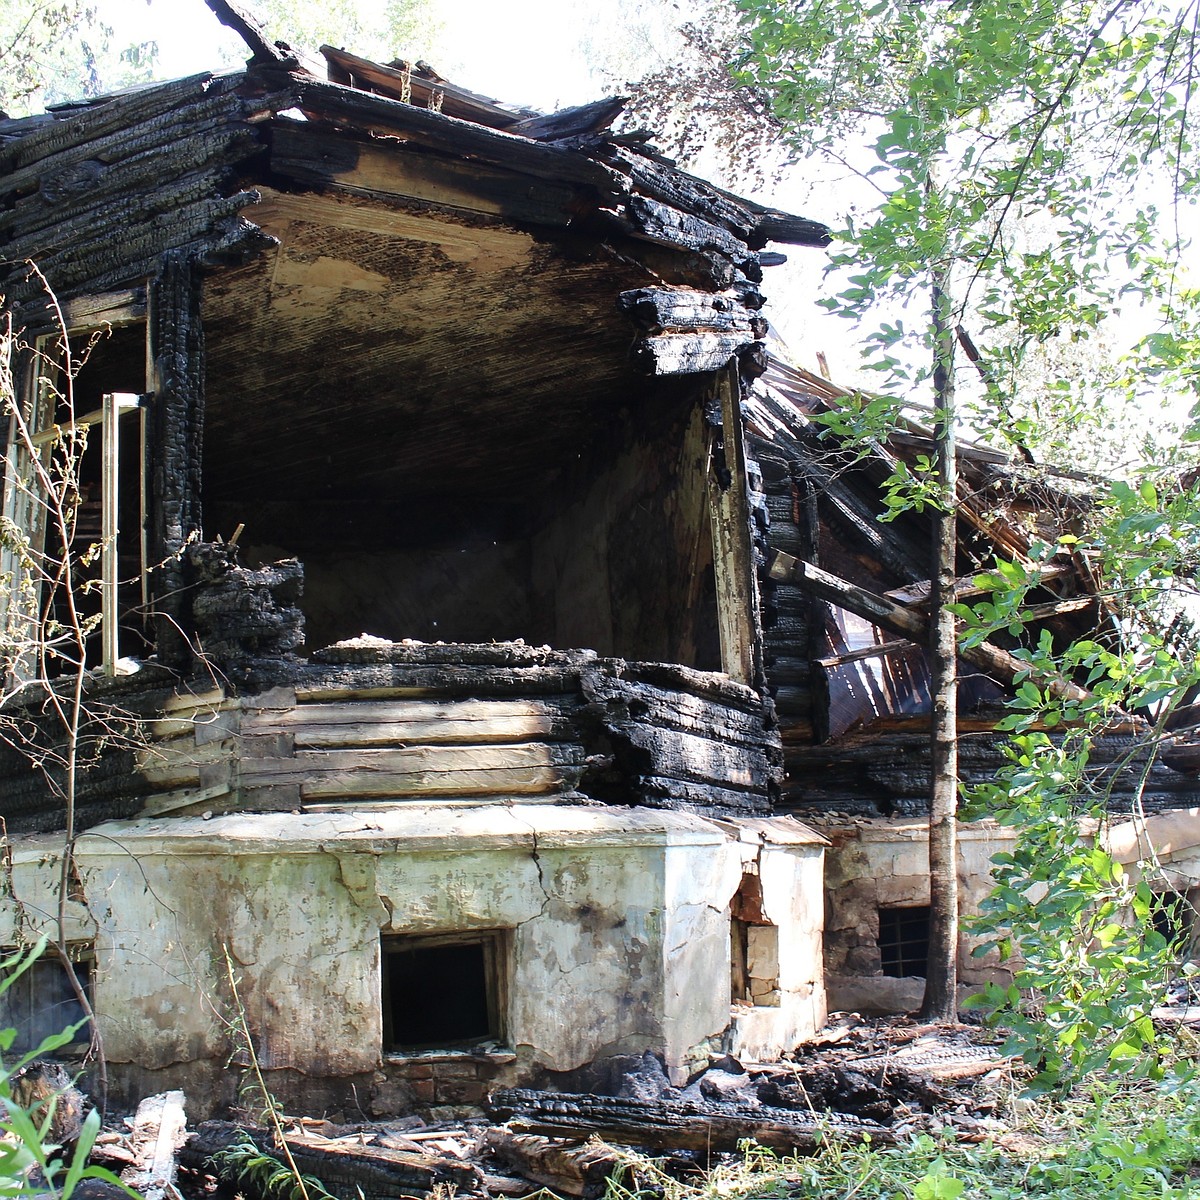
941,975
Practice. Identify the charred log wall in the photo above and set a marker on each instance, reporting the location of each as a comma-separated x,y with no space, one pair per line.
96,194
372,721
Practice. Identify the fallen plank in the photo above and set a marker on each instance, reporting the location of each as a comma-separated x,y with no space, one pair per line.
159,1129
354,1171
672,1124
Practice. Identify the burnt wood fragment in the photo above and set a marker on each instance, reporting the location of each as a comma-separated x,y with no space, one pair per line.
677,227
689,354
572,122
262,49
661,310
672,1124
106,116
419,84
795,231
348,1169
564,1166
887,614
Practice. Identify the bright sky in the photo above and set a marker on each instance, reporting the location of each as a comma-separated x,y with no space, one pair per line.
526,51
533,52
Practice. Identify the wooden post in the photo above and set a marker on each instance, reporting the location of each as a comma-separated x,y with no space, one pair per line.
733,559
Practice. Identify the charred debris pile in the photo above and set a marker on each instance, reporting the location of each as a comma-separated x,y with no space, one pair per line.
887,1080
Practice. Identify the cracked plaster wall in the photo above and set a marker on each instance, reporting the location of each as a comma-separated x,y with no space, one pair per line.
618,920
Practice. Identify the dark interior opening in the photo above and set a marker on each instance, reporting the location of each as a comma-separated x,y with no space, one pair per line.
440,992
463,451
904,941
41,1003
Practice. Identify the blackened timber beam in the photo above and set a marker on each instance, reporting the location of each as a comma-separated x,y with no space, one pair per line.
738,606
677,310
415,83
572,122
972,585
895,618
794,231
175,437
667,225
331,158
365,113
688,354
105,117
672,1124
262,49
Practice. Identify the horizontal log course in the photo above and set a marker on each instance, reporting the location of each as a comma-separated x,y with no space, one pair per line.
700,760
673,1124
162,132
708,799
669,226
137,185
68,130
113,254
425,722
367,681
333,158
367,113
425,771
750,223
689,354
622,701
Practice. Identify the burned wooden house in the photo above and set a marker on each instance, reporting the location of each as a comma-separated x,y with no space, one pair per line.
440,466
417,446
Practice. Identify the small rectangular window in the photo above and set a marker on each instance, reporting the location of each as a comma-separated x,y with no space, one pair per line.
904,940
42,1001
443,991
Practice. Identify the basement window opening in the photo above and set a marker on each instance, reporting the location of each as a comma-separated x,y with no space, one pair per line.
904,941
1173,916
41,1002
442,992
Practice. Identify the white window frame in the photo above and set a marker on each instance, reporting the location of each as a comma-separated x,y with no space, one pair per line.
21,506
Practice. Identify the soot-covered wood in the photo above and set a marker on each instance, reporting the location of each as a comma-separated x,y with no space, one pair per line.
671,1124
